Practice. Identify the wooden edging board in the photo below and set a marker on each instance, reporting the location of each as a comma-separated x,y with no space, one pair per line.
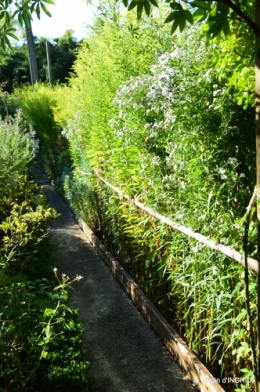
194,369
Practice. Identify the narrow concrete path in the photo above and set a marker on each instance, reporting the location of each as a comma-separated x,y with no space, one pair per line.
125,353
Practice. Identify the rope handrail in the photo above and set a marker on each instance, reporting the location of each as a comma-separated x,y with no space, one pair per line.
226,250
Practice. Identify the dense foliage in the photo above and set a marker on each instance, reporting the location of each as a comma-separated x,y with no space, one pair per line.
14,64
155,120
21,12
40,338
38,103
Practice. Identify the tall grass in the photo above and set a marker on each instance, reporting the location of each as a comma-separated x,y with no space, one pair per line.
38,103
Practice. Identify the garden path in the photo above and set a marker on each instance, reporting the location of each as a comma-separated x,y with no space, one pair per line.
125,353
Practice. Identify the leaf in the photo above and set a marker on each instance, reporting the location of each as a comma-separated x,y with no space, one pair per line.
201,4
125,2
226,28
68,309
240,101
176,6
12,36
2,14
44,354
175,25
8,42
182,24
133,4
20,19
48,312
48,331
170,17
147,7
215,29
49,1
3,42
180,17
154,2
188,16
140,7
47,12
199,14
38,11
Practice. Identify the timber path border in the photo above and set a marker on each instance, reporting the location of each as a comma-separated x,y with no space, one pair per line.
125,353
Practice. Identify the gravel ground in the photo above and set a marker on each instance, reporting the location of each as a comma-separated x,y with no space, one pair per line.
125,353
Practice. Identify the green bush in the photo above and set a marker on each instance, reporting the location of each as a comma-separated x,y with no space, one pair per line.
37,328
65,368
169,141
37,103
40,340
156,122
18,145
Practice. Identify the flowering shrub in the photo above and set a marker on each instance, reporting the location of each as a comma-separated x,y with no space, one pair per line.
183,123
164,129
172,146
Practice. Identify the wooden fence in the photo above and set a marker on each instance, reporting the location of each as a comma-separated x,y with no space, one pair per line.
226,250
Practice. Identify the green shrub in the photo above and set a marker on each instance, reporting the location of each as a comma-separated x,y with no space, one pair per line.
18,145
169,141
37,328
37,103
80,193
8,104
40,339
157,123
65,368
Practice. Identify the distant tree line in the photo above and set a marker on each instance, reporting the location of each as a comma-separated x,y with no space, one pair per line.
14,64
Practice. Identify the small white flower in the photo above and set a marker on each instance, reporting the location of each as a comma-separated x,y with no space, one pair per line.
195,249
155,161
232,160
78,277
215,270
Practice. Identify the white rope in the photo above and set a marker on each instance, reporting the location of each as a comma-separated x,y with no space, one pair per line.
226,250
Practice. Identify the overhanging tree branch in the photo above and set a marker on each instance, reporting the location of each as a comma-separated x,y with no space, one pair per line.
240,13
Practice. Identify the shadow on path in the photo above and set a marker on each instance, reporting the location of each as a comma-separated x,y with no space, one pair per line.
125,353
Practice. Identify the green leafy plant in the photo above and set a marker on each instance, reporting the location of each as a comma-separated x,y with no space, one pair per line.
162,130
37,103
40,341
34,311
170,144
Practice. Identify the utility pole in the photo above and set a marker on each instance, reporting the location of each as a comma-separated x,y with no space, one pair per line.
31,53
49,63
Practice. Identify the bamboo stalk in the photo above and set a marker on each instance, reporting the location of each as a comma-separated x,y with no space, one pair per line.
226,250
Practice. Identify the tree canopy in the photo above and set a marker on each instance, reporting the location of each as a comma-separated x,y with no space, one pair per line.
219,15
14,64
21,11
